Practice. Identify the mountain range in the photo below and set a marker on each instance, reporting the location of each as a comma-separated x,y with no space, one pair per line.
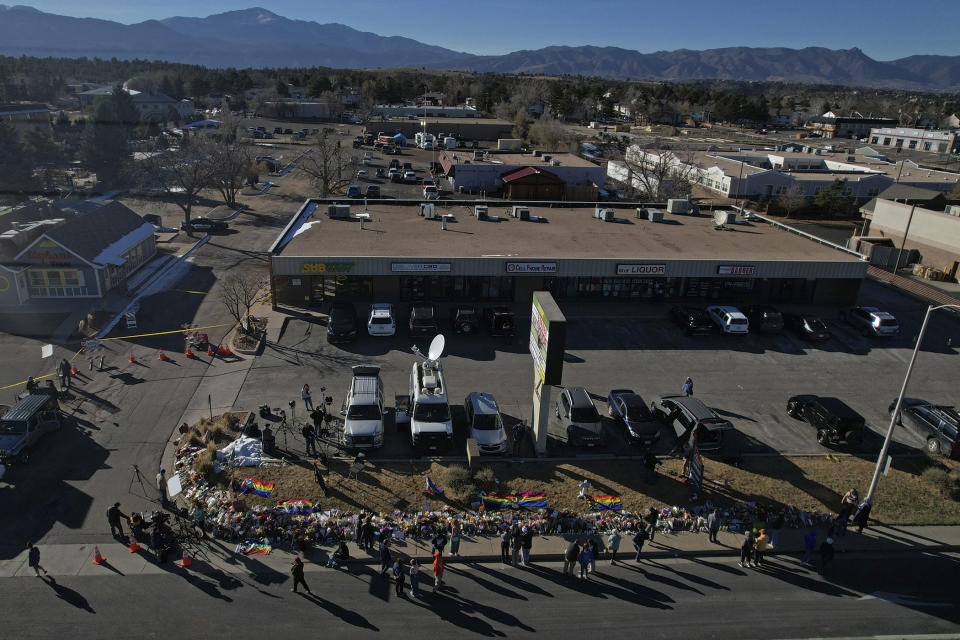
259,38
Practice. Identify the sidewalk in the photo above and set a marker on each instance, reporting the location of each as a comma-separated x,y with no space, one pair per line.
76,559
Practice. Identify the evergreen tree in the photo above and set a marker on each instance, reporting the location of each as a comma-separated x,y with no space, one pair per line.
14,166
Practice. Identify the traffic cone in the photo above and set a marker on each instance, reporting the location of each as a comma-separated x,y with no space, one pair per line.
134,546
97,558
161,355
73,370
210,351
185,561
132,360
221,350
188,353
228,350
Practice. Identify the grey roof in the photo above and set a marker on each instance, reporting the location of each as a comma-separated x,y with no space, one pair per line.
901,191
152,97
101,91
89,233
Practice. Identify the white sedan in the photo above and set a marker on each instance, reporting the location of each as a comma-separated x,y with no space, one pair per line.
381,321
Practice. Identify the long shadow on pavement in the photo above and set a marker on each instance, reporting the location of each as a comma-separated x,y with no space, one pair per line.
350,617
68,595
512,580
486,584
597,589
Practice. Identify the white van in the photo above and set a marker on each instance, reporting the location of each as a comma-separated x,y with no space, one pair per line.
729,319
430,425
363,409
486,423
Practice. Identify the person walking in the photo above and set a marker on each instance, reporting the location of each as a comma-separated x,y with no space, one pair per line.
586,555
760,547
638,540
455,538
570,557
33,559
651,519
746,548
687,387
774,525
307,398
63,372
439,542
437,570
826,555
526,543
862,516
415,578
613,543
517,434
399,575
297,571
162,487
847,504
713,525
809,546
384,557
516,542
115,518
309,437
505,546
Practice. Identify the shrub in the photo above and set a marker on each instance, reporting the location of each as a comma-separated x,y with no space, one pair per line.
205,459
194,439
938,477
458,480
485,480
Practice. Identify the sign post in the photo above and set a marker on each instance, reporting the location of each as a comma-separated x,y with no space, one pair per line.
696,469
548,338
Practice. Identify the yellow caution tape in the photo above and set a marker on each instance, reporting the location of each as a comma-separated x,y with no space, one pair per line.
162,333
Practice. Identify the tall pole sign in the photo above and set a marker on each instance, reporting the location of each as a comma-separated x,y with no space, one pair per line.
548,339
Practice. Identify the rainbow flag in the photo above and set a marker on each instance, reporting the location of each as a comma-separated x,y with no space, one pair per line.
262,489
606,503
496,502
532,499
294,506
253,549
432,489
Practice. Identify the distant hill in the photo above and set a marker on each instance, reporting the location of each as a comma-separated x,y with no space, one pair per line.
260,38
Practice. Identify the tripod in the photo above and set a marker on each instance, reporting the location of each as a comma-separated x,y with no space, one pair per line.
139,478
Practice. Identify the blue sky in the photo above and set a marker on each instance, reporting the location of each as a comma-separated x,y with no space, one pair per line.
883,29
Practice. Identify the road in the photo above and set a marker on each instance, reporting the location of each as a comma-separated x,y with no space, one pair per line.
664,598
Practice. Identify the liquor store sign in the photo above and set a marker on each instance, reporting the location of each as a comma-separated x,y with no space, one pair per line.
641,269
326,267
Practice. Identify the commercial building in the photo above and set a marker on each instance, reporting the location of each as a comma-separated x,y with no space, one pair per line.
830,125
151,107
937,141
460,128
50,252
300,109
935,234
424,111
548,176
391,253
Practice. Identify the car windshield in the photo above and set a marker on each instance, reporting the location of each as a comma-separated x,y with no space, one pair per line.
637,410
12,427
364,412
431,412
705,436
816,325
584,414
738,321
422,313
467,311
485,421
380,320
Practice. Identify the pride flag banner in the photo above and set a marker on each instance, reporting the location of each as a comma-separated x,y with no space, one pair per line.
262,489
532,499
494,502
253,549
606,503
524,499
294,506
432,488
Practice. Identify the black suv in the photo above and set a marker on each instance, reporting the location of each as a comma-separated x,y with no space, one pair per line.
342,323
764,319
465,319
423,319
807,327
835,422
500,321
937,424
693,320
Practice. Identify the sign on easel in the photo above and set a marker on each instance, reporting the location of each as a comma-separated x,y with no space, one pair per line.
131,319
548,340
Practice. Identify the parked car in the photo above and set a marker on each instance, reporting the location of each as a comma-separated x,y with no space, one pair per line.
465,319
939,425
26,422
394,164
430,193
423,319
342,323
204,224
288,132
765,319
872,322
381,321
628,408
277,131
729,319
353,191
427,182
409,176
580,423
363,409
362,174
693,422
807,327
373,191
835,422
407,166
500,321
694,320
395,175
485,423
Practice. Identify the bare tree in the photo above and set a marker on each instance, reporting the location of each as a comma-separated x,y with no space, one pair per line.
792,200
548,133
656,177
241,292
327,165
230,166
181,173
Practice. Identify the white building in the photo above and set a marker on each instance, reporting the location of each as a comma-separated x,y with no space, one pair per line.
937,141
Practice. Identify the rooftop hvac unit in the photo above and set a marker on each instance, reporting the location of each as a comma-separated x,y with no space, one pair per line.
606,215
546,158
679,205
478,154
338,211
555,162
427,210
521,212
480,211
954,210
655,215
724,217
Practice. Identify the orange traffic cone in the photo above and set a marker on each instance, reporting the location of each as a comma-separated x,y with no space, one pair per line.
210,350
134,547
161,355
73,370
185,561
132,360
221,350
188,353
97,558
228,350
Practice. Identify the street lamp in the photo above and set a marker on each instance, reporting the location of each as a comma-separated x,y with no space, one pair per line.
896,409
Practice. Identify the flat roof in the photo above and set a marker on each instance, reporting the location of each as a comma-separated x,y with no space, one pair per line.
518,159
399,230
439,120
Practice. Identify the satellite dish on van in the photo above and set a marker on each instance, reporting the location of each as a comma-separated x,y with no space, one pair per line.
436,347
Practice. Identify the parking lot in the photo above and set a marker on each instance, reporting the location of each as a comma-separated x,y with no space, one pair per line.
745,379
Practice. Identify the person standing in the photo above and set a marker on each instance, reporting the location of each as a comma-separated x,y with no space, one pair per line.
114,516
415,578
455,538
638,541
613,543
307,398
399,575
384,557
297,571
586,555
162,487
687,387
809,546
651,519
862,516
713,525
516,542
775,524
746,548
826,555
526,543
33,559
517,436
760,547
439,542
63,372
309,437
366,535
570,557
505,546
437,570
199,519
847,505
